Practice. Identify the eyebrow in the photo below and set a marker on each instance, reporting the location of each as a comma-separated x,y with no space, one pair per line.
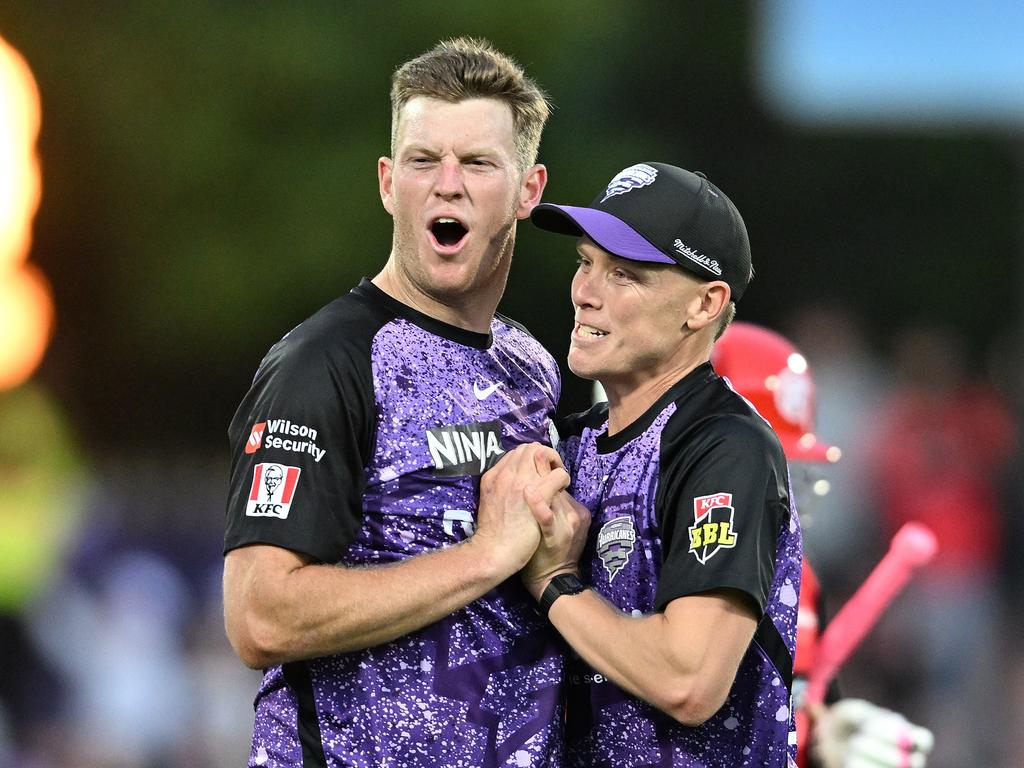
469,154
419,149
579,250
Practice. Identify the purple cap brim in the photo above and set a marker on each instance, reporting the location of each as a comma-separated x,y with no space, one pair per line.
609,232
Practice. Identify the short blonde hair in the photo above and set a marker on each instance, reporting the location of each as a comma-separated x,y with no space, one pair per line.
727,316
470,68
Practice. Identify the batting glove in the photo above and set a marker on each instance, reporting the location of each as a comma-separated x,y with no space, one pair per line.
854,733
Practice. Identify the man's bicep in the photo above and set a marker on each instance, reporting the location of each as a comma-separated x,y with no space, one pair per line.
720,518
715,626
301,442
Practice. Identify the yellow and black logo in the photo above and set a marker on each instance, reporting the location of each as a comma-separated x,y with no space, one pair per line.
713,527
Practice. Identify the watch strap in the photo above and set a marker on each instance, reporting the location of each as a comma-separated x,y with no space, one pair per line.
562,584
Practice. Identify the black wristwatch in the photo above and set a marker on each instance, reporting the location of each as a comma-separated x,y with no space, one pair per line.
562,584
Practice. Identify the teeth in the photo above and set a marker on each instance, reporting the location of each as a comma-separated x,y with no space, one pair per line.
445,220
587,330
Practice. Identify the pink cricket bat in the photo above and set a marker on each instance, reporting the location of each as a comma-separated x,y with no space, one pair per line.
913,545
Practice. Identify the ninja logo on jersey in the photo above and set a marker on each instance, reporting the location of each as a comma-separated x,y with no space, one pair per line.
465,449
272,491
712,528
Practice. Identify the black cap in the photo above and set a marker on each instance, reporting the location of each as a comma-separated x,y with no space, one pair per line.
661,213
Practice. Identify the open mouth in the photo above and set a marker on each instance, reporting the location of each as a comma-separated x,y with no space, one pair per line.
589,331
448,232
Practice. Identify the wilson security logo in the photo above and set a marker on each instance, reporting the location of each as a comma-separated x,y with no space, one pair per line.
712,528
286,436
634,177
465,449
272,491
615,543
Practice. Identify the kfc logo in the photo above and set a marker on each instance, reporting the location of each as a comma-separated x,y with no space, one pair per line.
272,491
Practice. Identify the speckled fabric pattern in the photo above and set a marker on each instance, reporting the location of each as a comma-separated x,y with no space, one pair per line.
483,686
624,561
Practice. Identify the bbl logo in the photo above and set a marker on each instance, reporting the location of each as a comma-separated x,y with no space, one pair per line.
712,527
273,487
615,543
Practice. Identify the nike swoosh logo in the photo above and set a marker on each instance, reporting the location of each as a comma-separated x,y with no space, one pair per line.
483,394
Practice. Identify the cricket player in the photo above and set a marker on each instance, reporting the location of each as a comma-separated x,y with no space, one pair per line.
364,571
683,605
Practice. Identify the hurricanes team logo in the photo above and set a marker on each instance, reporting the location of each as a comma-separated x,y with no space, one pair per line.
634,177
615,543
713,527
272,491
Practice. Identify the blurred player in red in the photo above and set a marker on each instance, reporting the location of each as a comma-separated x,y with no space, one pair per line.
771,373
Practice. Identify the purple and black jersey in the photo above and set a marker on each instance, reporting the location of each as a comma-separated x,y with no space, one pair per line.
693,496
362,442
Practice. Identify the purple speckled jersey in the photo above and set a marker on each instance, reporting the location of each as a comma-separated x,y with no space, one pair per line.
692,496
361,442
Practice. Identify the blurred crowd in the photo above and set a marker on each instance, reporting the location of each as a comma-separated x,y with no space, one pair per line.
110,609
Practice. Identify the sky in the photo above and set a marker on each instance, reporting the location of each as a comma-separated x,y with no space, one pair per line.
878,61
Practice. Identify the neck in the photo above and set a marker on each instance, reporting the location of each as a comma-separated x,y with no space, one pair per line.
627,401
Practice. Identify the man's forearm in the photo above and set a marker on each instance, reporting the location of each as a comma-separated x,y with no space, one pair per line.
682,661
299,610
623,648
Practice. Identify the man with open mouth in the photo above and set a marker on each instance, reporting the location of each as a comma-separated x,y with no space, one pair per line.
371,579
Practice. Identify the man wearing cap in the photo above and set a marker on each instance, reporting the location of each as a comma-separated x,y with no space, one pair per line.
682,607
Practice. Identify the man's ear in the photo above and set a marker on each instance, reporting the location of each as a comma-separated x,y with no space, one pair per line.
712,299
385,165
531,190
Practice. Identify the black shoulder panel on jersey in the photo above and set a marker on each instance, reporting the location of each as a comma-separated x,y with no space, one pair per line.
514,324
714,415
308,420
716,451
574,424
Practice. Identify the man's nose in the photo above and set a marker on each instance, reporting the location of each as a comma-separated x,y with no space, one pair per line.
449,181
585,292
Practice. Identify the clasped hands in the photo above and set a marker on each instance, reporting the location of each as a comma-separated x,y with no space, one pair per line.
530,518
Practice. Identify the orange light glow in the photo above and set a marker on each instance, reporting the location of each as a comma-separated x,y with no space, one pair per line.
26,317
19,165
26,305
